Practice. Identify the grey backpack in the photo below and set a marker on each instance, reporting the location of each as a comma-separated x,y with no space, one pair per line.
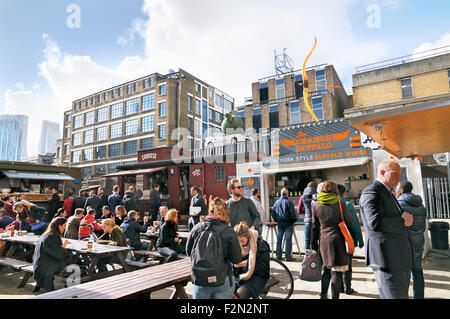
209,268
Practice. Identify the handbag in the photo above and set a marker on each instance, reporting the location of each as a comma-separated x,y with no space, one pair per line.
311,266
349,244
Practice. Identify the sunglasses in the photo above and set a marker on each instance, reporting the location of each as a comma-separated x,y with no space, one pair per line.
238,187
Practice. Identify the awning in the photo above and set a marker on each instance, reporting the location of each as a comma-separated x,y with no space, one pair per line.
406,130
37,175
316,165
137,172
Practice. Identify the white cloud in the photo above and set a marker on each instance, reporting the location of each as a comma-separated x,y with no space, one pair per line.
138,27
441,45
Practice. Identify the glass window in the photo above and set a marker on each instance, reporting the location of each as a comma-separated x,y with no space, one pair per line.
115,130
274,120
78,121
102,115
112,168
219,100
67,132
105,96
217,114
129,89
114,150
205,110
90,118
241,114
88,136
280,92
162,89
99,98
197,106
321,81
162,109
120,91
136,87
130,148
257,123
263,93
197,144
162,131
211,94
191,126
66,150
197,87
67,117
198,129
87,172
86,102
87,154
113,94
147,143
317,106
100,152
407,90
148,102
189,103
228,105
145,83
220,173
76,139
132,106
102,133
76,156
151,82
298,82
204,131
148,123
116,110
131,127
100,170
92,100
295,112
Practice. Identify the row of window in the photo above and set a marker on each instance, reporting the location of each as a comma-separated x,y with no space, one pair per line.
112,151
146,83
208,113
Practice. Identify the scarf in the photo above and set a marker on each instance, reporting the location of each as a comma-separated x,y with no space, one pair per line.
250,250
327,198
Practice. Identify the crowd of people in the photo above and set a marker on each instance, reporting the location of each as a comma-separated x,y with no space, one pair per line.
229,257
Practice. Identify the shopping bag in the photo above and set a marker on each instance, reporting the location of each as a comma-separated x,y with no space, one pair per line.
349,244
311,266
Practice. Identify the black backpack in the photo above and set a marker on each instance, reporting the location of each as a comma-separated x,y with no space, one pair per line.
209,268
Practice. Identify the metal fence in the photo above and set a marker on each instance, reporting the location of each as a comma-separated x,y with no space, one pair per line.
437,193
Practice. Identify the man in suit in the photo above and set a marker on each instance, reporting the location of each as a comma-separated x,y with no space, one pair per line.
94,202
155,202
103,197
388,248
79,201
114,199
196,201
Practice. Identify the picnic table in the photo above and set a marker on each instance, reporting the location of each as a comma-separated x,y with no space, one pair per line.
153,237
134,284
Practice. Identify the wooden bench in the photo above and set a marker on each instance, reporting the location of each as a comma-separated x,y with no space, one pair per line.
18,265
155,255
135,284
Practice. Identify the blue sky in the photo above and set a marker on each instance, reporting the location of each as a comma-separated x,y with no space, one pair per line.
228,44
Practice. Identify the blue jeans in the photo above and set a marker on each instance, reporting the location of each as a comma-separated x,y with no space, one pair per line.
307,235
282,230
417,243
221,292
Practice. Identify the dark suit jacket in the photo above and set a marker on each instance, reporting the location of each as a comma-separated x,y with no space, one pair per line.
78,202
198,201
94,202
387,241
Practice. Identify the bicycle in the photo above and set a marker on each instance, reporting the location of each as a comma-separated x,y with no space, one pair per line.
280,284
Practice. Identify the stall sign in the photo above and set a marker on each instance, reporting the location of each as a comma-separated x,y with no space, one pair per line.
312,142
248,183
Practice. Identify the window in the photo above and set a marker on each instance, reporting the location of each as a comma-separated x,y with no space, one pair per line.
100,170
280,93
162,89
317,106
197,106
189,103
257,119
87,154
67,132
217,114
99,98
68,117
241,114
205,110
148,123
148,102
295,112
113,167
228,105
114,150
92,100
129,89
298,83
151,82
120,91
274,119
132,106
197,87
87,172
113,94
86,102
66,150
130,148
131,127
76,156
116,111
162,109
204,131
102,115
145,83
220,173
136,87
219,100
88,136
191,126
321,81
263,93
90,116
210,114
211,94
146,143
407,91
101,133
100,152
105,96
78,121
115,130
76,139
162,131
198,129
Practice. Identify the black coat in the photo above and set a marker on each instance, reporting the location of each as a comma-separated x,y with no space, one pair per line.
130,200
114,200
132,230
167,234
78,202
103,200
54,204
198,201
94,202
47,260
284,212
155,202
387,240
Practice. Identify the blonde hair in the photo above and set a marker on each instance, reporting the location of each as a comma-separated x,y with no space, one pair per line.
385,164
122,211
170,216
18,206
109,222
319,188
219,208
242,230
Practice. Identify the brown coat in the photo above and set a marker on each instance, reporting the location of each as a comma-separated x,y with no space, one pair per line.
326,234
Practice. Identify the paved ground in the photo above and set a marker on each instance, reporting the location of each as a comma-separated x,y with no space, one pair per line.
436,271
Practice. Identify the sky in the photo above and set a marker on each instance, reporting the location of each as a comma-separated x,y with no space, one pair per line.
54,52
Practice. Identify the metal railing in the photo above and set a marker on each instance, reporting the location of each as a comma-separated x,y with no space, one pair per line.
437,197
403,59
261,147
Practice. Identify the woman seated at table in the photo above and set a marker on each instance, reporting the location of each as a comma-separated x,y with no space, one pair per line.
169,244
61,213
49,255
112,236
254,270
121,214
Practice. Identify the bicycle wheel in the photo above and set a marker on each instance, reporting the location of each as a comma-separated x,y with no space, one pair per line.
280,284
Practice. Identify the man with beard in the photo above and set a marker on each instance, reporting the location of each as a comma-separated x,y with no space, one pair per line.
241,208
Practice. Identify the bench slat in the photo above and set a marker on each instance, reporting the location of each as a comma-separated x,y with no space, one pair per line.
13,263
